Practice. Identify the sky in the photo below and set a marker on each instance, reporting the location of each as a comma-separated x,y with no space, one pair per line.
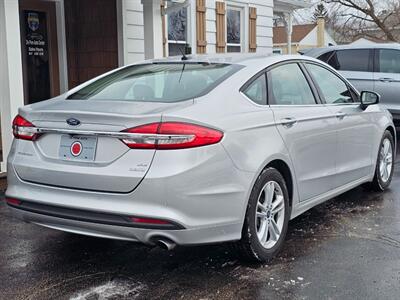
303,16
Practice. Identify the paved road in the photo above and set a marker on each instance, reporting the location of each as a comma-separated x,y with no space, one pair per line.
347,248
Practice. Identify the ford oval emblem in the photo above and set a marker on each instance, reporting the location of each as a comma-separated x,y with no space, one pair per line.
73,122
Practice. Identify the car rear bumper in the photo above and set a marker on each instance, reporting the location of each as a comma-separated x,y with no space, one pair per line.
201,191
205,235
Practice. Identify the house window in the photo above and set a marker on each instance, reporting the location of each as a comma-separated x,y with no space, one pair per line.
234,29
177,23
277,51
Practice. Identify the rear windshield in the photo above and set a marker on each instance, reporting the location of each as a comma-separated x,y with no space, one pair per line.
161,82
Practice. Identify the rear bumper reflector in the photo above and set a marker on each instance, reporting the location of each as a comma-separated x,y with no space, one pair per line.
91,216
148,221
14,202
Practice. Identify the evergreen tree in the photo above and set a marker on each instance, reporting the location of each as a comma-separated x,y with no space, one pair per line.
320,11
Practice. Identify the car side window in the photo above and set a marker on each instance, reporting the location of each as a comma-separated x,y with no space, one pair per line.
257,90
333,88
351,60
289,86
326,56
389,61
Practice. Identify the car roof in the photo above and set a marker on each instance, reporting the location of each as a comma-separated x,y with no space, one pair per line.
366,46
231,58
245,59
315,52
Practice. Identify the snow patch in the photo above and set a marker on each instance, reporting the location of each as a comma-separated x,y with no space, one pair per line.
111,290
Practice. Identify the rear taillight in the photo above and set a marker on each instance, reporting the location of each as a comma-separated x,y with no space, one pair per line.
171,135
23,129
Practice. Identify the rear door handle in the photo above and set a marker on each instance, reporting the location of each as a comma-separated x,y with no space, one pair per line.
386,79
288,122
340,115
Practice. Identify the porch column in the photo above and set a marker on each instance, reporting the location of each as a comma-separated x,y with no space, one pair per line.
11,85
153,43
289,31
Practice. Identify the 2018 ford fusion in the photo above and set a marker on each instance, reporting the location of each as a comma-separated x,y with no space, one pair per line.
204,150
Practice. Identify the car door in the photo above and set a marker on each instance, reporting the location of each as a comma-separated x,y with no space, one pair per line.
306,126
356,65
387,79
354,125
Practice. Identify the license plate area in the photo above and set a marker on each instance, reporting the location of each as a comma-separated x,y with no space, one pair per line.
77,147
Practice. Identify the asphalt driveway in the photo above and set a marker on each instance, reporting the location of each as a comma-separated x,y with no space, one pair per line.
347,248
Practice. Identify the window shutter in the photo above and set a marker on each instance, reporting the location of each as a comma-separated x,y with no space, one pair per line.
201,26
252,29
221,27
164,33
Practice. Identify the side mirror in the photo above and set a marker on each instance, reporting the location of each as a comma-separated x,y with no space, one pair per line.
369,98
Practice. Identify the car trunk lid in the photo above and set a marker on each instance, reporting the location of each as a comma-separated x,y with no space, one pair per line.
103,162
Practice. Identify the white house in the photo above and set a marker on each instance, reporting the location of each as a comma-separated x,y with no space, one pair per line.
50,46
304,36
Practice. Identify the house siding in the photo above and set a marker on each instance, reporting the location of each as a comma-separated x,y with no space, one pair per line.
133,30
211,26
264,24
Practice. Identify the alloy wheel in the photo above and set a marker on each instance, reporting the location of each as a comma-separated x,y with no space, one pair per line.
386,160
270,214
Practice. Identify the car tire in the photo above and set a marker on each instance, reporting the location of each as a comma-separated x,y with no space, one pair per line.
381,179
276,214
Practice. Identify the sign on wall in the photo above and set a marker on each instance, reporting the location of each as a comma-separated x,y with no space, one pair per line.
36,51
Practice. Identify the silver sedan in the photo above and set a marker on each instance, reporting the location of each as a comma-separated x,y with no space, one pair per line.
201,150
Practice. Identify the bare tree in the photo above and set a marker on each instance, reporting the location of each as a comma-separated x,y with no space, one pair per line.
367,17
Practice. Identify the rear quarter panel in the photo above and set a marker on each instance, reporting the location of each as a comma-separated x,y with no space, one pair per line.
251,139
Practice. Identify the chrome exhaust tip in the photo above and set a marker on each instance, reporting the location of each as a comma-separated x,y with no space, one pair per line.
165,244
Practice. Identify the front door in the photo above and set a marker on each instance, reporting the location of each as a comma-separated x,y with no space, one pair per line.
355,128
39,50
307,128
